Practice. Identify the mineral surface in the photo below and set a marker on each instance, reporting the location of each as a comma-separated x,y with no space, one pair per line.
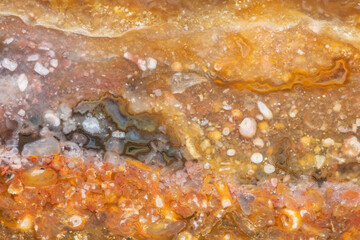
179,119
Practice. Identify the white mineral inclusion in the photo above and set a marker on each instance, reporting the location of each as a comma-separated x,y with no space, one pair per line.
40,69
21,112
9,64
268,168
226,203
91,125
226,131
33,57
118,134
54,63
319,161
52,119
75,220
159,202
247,127
256,158
230,152
8,40
22,82
151,63
265,111
258,142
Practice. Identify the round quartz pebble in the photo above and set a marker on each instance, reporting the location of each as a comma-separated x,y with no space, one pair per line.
258,142
226,131
230,152
256,158
247,127
268,168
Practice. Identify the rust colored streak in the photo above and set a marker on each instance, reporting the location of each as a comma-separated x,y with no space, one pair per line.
335,75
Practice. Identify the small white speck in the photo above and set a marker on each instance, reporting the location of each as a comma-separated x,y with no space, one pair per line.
230,152
303,212
141,63
75,220
319,161
21,112
337,107
328,142
9,64
258,142
293,113
268,168
8,40
118,134
226,203
151,63
51,53
204,122
256,158
259,117
54,63
128,56
206,166
33,57
226,131
227,107
40,69
26,223
300,52
36,172
22,82
227,237
159,202
157,92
